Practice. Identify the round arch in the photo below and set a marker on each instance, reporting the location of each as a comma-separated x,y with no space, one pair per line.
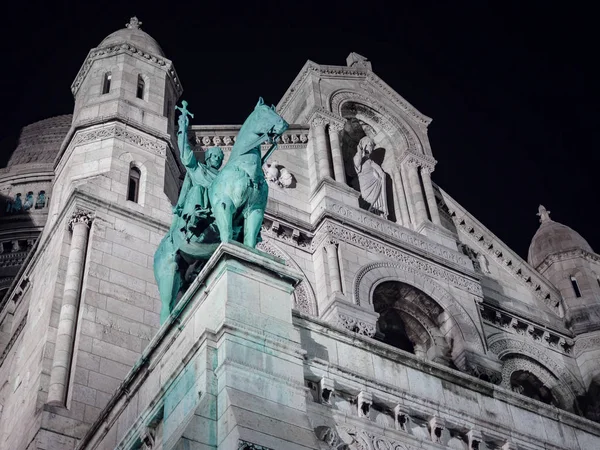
397,126
541,363
145,167
371,275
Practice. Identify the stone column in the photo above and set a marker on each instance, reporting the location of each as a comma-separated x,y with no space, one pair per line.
417,193
333,264
65,337
322,152
404,214
429,195
408,195
336,153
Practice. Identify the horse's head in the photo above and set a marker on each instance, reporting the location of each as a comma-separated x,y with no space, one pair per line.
264,121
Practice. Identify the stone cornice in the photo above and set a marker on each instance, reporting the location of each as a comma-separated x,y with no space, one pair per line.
384,229
114,129
510,323
454,377
495,249
567,254
410,158
132,50
369,79
325,117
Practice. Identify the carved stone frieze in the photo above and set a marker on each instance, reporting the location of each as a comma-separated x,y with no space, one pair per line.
397,232
119,131
426,163
355,325
569,254
290,140
406,261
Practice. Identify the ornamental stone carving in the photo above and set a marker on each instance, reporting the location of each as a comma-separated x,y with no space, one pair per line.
80,216
355,325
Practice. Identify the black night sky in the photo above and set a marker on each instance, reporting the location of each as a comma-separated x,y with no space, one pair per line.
511,86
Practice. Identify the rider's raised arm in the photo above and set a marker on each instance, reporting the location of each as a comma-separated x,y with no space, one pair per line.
188,159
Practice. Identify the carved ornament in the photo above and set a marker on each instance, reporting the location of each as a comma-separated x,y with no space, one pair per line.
80,217
390,229
355,325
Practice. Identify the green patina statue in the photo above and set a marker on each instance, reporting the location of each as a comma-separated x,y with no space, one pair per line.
213,206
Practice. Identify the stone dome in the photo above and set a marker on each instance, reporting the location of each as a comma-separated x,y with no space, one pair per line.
133,34
40,142
553,237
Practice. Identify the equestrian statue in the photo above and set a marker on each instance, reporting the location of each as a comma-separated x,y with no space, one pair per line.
215,206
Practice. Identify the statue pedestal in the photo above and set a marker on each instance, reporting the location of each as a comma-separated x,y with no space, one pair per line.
438,234
347,315
249,382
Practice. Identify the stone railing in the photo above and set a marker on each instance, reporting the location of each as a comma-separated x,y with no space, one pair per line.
516,325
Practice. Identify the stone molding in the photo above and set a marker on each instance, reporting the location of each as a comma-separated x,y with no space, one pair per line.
382,226
586,343
512,324
497,251
379,112
320,116
567,254
370,81
291,139
511,364
286,233
426,163
503,345
129,49
304,296
402,259
245,445
371,275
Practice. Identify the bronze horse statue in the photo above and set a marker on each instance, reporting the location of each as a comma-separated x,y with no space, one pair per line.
237,198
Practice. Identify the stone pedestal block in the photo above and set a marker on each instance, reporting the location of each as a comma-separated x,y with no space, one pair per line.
329,191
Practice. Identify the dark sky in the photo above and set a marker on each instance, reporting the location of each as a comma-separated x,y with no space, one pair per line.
511,87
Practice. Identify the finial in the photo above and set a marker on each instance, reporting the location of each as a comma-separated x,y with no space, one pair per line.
544,214
134,24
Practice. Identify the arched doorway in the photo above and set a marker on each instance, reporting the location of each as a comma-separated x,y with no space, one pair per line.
409,320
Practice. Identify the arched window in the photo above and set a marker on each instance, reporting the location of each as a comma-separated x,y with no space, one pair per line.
141,87
133,189
575,286
106,83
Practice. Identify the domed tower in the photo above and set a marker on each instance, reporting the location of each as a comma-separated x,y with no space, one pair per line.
115,177
566,259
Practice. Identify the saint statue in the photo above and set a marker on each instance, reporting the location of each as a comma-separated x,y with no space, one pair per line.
371,178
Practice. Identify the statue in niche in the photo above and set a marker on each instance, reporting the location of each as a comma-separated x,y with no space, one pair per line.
371,178
28,201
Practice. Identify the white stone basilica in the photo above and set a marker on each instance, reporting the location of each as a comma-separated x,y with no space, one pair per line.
380,314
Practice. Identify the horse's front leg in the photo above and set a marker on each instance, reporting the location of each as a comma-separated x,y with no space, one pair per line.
223,211
252,224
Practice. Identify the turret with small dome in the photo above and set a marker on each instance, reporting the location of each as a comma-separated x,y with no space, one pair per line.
568,261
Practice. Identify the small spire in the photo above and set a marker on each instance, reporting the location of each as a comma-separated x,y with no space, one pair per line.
134,24
544,214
